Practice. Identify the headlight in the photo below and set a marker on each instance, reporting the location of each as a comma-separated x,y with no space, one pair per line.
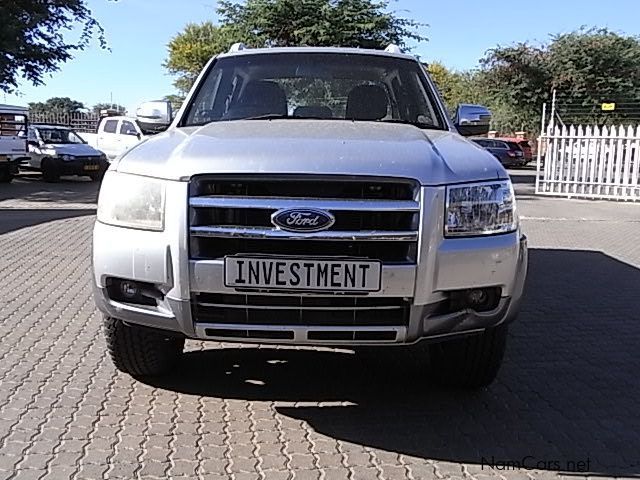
66,158
131,201
480,209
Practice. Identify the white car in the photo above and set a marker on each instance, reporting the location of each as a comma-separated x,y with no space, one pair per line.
57,150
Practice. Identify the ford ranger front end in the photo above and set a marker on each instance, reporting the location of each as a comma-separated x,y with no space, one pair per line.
310,197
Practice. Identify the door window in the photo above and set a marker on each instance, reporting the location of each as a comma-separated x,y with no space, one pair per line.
110,126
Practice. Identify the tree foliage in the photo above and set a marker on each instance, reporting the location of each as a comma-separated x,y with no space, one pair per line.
32,40
457,87
190,50
98,107
260,23
586,67
56,105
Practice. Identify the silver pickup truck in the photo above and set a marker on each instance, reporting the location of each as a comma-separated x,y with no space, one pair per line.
311,196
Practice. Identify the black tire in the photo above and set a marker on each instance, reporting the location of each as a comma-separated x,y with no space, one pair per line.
96,177
140,351
5,176
50,172
470,362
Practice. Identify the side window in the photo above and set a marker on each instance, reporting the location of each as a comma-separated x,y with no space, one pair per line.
501,145
128,128
110,126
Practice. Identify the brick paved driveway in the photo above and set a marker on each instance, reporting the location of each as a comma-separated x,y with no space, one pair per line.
569,390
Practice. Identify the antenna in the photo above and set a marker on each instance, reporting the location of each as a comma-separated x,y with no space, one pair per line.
393,48
236,47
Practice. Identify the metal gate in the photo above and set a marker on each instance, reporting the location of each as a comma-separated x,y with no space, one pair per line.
589,161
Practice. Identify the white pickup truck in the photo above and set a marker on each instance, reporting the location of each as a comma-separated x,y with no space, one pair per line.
13,146
115,135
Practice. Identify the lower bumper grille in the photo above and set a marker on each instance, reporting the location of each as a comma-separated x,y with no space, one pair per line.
334,311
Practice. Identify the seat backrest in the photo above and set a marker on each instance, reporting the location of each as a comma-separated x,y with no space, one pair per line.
367,102
263,97
315,111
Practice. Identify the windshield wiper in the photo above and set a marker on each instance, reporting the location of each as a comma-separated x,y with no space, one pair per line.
426,126
268,116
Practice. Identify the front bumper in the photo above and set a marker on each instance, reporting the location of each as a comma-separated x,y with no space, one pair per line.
91,166
444,265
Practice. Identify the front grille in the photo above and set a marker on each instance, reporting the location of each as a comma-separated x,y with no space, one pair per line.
301,186
375,218
293,310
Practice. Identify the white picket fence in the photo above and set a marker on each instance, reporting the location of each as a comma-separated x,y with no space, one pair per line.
590,162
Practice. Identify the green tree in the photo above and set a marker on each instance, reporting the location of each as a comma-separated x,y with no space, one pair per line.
98,107
57,105
175,100
260,23
586,67
191,49
32,43
347,23
457,87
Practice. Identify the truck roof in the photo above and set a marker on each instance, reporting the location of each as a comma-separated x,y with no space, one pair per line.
13,109
50,125
341,50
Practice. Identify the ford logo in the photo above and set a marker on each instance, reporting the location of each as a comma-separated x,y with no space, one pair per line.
302,219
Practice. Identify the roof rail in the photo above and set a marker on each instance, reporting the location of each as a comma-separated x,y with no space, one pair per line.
393,48
236,47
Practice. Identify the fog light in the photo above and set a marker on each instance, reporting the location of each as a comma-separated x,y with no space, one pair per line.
129,290
476,297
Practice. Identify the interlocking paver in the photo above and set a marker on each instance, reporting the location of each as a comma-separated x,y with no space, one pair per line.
568,391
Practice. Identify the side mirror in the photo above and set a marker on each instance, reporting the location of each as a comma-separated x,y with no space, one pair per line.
472,120
33,143
154,117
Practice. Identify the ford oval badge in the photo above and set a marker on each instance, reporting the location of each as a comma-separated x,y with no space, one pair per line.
302,219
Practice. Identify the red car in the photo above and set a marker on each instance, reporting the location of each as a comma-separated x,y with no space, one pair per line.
523,144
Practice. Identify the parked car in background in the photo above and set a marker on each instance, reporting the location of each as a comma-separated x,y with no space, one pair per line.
523,143
13,147
57,150
510,154
116,135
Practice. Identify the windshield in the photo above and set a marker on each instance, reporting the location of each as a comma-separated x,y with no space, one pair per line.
59,135
314,85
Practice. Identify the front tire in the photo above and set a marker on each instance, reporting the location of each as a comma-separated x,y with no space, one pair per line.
470,362
96,177
140,351
5,177
50,172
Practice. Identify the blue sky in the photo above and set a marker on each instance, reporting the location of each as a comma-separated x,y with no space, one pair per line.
459,33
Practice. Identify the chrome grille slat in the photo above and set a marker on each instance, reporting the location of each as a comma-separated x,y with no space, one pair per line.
277,203
272,233
294,307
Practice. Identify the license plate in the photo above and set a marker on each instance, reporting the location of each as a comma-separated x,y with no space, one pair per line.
91,167
290,273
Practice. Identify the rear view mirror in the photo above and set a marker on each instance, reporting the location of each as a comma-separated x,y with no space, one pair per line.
472,120
154,117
